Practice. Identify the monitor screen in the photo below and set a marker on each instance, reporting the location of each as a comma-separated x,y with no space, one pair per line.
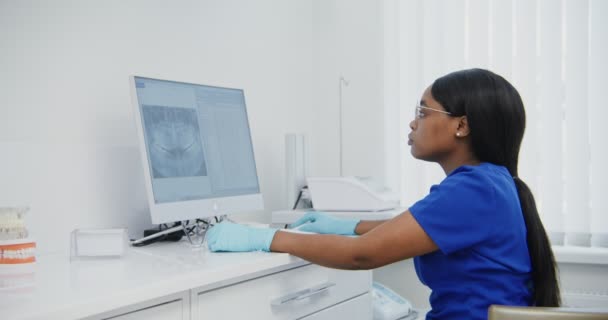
196,150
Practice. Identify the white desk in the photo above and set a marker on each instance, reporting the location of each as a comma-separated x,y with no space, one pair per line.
173,281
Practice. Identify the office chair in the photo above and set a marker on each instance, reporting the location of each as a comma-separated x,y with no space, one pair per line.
498,312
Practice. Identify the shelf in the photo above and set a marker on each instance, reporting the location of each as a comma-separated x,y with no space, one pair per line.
581,255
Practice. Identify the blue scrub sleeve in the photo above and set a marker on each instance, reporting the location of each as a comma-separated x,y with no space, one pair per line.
458,213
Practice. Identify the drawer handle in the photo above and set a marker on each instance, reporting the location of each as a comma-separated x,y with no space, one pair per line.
302,294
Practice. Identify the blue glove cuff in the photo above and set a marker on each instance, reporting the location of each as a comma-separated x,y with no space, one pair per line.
347,227
228,236
320,222
261,238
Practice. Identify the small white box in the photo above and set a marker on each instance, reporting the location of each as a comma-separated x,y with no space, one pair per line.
98,243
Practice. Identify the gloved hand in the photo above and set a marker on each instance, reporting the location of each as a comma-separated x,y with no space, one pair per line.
322,223
227,236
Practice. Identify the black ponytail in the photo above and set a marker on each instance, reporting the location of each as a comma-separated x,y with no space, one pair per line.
544,273
497,120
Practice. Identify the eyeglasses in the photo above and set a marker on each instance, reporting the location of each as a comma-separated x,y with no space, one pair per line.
419,115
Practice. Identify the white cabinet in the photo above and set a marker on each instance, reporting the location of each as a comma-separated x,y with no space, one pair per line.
312,292
308,292
288,294
171,281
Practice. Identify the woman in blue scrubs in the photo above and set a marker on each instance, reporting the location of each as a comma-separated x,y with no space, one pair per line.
476,238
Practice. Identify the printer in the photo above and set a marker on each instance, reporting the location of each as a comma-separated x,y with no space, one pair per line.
350,194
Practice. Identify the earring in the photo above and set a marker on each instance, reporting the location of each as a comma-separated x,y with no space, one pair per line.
458,134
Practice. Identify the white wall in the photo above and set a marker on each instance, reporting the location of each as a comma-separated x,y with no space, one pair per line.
66,122
67,132
351,46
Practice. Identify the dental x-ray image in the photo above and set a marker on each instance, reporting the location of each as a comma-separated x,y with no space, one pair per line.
174,142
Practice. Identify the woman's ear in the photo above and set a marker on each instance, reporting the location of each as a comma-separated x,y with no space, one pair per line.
462,129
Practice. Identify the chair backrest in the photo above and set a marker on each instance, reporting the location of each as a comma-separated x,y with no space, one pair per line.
497,312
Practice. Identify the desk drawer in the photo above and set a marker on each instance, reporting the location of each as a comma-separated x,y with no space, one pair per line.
289,294
359,308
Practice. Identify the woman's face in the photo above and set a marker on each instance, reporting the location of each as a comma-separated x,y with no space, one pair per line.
433,130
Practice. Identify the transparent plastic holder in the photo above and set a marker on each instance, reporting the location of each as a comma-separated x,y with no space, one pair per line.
196,232
98,243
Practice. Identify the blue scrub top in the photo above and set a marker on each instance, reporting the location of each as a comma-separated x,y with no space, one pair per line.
475,218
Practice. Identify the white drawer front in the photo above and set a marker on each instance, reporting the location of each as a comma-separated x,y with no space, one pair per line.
289,294
167,311
359,308
171,307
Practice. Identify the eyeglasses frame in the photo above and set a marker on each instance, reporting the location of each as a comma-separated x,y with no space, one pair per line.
419,107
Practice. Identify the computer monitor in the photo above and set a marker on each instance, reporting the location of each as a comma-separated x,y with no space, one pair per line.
196,150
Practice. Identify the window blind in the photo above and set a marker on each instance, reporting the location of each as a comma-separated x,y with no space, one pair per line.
555,53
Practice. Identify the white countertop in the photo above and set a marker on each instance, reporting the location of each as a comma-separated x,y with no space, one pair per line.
65,290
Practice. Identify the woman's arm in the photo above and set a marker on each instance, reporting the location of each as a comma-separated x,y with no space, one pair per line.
387,242
366,225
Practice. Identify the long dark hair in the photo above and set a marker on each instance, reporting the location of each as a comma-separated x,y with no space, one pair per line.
497,120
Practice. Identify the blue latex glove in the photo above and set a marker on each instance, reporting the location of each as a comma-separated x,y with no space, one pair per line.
228,236
319,222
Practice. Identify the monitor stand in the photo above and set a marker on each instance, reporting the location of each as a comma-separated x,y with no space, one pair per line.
196,232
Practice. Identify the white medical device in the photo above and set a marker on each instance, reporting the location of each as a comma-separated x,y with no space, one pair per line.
387,305
350,194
